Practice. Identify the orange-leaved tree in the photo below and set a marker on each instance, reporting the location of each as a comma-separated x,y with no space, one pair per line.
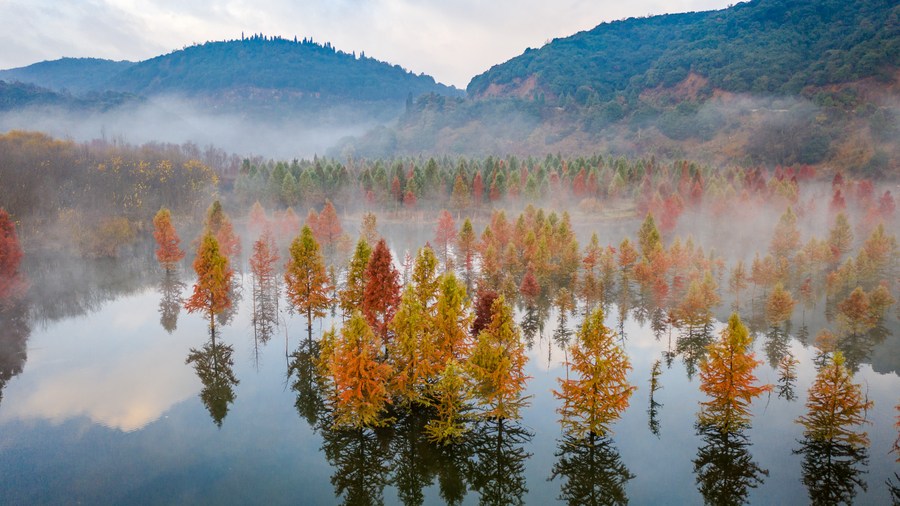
779,306
497,365
359,377
168,252
599,391
445,235
726,377
306,281
218,223
213,280
381,294
836,406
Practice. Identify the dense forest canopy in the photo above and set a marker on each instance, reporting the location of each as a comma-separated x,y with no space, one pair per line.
762,46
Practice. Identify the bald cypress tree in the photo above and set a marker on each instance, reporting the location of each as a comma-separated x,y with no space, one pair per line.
306,282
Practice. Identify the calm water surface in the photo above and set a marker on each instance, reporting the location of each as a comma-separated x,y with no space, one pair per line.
106,410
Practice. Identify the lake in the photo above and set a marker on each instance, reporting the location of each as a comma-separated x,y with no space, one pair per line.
106,409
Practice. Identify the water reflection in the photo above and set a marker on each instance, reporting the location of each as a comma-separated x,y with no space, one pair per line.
361,459
691,344
214,366
170,301
498,474
832,470
593,471
307,383
14,333
64,286
724,466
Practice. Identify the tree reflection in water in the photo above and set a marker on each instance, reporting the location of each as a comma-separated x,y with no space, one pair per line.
361,459
14,333
691,344
724,466
832,470
307,382
593,471
498,471
214,366
170,301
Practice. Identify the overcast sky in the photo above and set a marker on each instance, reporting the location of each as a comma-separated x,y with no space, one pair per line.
452,40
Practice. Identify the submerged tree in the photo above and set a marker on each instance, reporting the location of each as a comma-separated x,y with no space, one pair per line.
833,447
218,223
497,365
213,280
466,242
836,406
359,378
726,377
168,252
599,394
779,306
381,294
352,294
306,281
452,319
265,286
445,236
450,399
413,351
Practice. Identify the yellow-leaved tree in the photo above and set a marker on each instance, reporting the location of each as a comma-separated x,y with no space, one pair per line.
497,365
306,281
836,407
726,377
599,391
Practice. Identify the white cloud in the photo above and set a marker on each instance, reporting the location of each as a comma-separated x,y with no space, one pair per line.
452,41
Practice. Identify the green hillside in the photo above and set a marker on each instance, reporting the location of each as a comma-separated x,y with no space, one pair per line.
302,67
762,46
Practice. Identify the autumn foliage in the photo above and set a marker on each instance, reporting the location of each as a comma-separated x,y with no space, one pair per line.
381,294
10,257
497,365
359,378
168,252
213,279
727,378
306,281
599,391
836,407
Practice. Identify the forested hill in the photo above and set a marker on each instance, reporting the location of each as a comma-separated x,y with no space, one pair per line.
258,66
761,46
75,75
771,82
